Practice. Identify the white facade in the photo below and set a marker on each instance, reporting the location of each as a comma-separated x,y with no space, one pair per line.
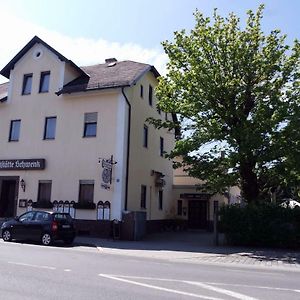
70,157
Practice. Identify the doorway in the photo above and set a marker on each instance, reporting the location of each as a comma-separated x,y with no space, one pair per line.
8,197
197,214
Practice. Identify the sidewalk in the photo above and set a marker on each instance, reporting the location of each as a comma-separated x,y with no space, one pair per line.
195,247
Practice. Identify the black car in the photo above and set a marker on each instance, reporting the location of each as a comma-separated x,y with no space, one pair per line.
42,226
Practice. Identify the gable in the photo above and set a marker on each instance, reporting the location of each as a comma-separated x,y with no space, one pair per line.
36,40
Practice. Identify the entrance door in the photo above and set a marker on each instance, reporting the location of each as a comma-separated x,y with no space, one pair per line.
7,198
197,217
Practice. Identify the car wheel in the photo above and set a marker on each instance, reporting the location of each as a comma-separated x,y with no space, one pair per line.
6,235
69,241
46,239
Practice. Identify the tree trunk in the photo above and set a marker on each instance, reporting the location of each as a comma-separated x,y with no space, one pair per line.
249,184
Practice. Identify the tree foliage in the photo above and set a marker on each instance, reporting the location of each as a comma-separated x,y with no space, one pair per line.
235,92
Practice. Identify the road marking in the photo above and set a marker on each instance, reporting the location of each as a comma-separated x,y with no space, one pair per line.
32,266
207,283
221,291
254,286
67,270
159,288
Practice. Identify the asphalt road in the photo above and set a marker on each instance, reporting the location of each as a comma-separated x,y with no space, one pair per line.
29,271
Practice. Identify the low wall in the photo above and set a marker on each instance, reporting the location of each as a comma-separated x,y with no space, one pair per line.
101,228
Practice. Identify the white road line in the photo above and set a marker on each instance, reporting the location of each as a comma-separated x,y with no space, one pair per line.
30,265
211,283
159,288
67,270
221,291
254,286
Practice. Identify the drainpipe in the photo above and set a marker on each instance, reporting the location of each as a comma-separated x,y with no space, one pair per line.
128,148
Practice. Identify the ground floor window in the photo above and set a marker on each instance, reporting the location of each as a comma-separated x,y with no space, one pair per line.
44,191
86,191
143,196
160,199
216,206
179,207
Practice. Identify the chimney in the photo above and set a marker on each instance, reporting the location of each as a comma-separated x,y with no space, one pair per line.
110,60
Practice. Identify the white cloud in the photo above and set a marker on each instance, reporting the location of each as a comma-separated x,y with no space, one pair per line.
82,51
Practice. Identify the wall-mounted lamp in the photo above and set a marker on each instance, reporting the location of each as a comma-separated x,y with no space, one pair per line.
23,185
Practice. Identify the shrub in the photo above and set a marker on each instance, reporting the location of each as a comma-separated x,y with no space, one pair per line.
261,225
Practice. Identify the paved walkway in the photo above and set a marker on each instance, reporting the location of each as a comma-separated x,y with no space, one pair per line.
195,247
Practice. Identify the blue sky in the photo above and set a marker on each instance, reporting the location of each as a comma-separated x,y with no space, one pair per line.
87,32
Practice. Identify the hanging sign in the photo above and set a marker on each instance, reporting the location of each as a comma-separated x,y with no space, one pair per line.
106,174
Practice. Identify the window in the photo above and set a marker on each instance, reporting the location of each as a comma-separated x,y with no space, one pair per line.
179,207
145,136
216,206
86,191
42,216
90,124
161,146
166,116
27,83
160,200
44,82
103,210
142,91
50,128
44,192
158,110
143,196
27,216
150,95
14,132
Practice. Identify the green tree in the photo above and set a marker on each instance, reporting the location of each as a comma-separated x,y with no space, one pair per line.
235,92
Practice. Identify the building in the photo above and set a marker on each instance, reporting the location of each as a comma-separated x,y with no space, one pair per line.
78,137
195,205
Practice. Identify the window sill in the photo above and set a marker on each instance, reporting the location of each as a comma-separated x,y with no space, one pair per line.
13,141
43,92
89,136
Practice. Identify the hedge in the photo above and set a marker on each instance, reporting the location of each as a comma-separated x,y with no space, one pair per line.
266,225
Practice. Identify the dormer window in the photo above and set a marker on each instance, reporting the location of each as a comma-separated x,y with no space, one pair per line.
27,83
44,82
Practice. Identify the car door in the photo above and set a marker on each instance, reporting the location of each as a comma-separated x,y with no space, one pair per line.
21,229
40,221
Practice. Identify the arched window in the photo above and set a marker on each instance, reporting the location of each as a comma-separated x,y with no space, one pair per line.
66,206
106,212
55,205
100,210
103,210
61,206
29,205
72,209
